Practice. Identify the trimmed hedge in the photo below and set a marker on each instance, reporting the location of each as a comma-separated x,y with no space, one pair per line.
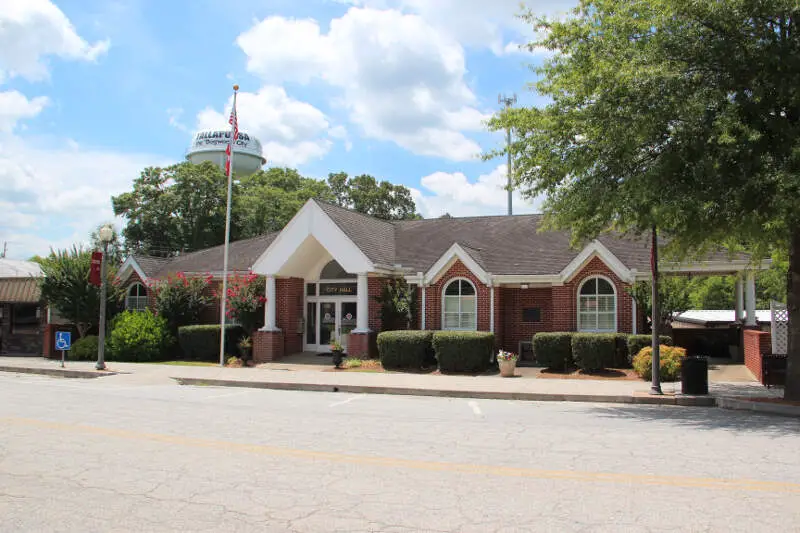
594,351
553,350
139,336
201,343
670,359
84,349
463,351
406,349
637,342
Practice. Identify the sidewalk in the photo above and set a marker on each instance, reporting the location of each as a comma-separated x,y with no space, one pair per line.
733,394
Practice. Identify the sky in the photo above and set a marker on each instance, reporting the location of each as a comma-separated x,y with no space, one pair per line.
93,91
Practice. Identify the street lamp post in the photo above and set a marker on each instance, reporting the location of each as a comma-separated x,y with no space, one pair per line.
106,235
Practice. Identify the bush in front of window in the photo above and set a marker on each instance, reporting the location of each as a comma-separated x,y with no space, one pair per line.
463,351
670,359
404,350
84,349
553,350
139,337
201,343
637,342
594,351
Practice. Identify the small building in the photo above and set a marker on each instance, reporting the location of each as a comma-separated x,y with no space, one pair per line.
502,274
715,332
22,314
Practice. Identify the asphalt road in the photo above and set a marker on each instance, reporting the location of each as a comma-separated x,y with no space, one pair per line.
113,454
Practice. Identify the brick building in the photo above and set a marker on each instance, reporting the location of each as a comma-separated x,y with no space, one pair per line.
500,274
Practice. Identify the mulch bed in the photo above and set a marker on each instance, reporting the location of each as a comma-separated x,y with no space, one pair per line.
625,374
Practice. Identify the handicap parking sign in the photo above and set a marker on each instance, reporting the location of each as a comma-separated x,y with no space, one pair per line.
63,340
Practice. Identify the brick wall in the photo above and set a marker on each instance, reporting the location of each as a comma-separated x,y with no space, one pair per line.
514,300
289,294
374,288
756,344
268,346
433,297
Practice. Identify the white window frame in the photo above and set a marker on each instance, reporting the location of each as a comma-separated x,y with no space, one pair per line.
130,298
460,299
597,312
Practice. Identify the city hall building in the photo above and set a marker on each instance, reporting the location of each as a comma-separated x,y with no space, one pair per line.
326,268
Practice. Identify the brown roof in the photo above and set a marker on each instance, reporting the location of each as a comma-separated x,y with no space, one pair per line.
375,237
20,290
241,257
149,264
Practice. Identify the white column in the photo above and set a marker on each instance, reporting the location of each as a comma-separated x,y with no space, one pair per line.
422,310
269,308
362,317
750,300
634,316
491,304
739,299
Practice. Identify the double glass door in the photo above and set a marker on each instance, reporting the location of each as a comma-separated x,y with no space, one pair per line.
327,320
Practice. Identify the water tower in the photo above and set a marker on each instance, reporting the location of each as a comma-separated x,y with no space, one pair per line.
210,145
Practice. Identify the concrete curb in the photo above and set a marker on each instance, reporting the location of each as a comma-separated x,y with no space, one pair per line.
741,404
698,401
60,372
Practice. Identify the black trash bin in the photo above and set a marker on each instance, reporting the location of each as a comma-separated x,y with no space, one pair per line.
694,375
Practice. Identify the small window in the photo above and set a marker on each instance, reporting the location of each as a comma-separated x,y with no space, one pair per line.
597,306
532,314
24,318
311,289
460,306
136,300
334,270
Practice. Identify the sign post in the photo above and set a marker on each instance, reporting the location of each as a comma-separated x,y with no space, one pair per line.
63,343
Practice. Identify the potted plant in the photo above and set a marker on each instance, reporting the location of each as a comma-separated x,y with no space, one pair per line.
338,352
507,362
245,349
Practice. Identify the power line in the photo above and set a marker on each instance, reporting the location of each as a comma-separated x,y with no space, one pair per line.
508,101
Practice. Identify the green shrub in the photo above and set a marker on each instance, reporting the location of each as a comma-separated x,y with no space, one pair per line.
594,351
181,299
84,349
463,351
139,336
621,358
201,343
553,350
670,359
637,342
406,349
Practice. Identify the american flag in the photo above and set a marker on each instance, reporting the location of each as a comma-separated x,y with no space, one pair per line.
234,122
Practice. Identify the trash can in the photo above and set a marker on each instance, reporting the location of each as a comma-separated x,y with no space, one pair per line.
694,375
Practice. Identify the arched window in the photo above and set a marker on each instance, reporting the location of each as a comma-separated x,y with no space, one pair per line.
334,270
597,306
459,310
136,299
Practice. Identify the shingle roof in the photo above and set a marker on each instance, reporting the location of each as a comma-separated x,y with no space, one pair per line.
375,237
241,257
149,264
20,290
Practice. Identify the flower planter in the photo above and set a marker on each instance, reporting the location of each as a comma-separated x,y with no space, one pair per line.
338,356
507,368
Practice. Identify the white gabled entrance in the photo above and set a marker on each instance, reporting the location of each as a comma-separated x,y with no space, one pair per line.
331,308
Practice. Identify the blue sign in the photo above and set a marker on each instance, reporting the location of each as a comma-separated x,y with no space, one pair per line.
63,340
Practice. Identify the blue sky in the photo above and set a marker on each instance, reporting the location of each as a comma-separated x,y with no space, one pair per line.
92,91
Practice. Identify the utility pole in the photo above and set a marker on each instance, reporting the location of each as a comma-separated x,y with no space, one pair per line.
508,101
5,249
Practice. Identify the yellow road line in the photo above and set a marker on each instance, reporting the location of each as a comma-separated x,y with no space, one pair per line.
462,468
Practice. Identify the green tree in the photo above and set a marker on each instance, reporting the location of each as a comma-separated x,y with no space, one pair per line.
174,209
378,199
398,301
267,200
712,292
675,114
180,300
65,287
673,297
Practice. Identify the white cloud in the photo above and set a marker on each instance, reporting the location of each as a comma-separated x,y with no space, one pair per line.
402,80
454,193
33,29
15,106
174,114
59,190
291,132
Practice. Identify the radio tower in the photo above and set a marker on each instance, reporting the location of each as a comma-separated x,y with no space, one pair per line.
508,101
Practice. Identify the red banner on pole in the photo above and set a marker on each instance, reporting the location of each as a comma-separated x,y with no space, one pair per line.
94,271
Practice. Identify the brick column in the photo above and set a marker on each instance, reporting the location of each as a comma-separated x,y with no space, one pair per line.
362,345
756,344
267,346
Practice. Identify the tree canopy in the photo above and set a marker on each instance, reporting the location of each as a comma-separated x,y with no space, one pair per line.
181,208
678,114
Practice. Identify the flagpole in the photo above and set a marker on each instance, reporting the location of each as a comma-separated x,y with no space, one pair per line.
224,298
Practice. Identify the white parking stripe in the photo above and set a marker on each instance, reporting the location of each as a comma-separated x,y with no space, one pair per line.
237,393
336,404
475,407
